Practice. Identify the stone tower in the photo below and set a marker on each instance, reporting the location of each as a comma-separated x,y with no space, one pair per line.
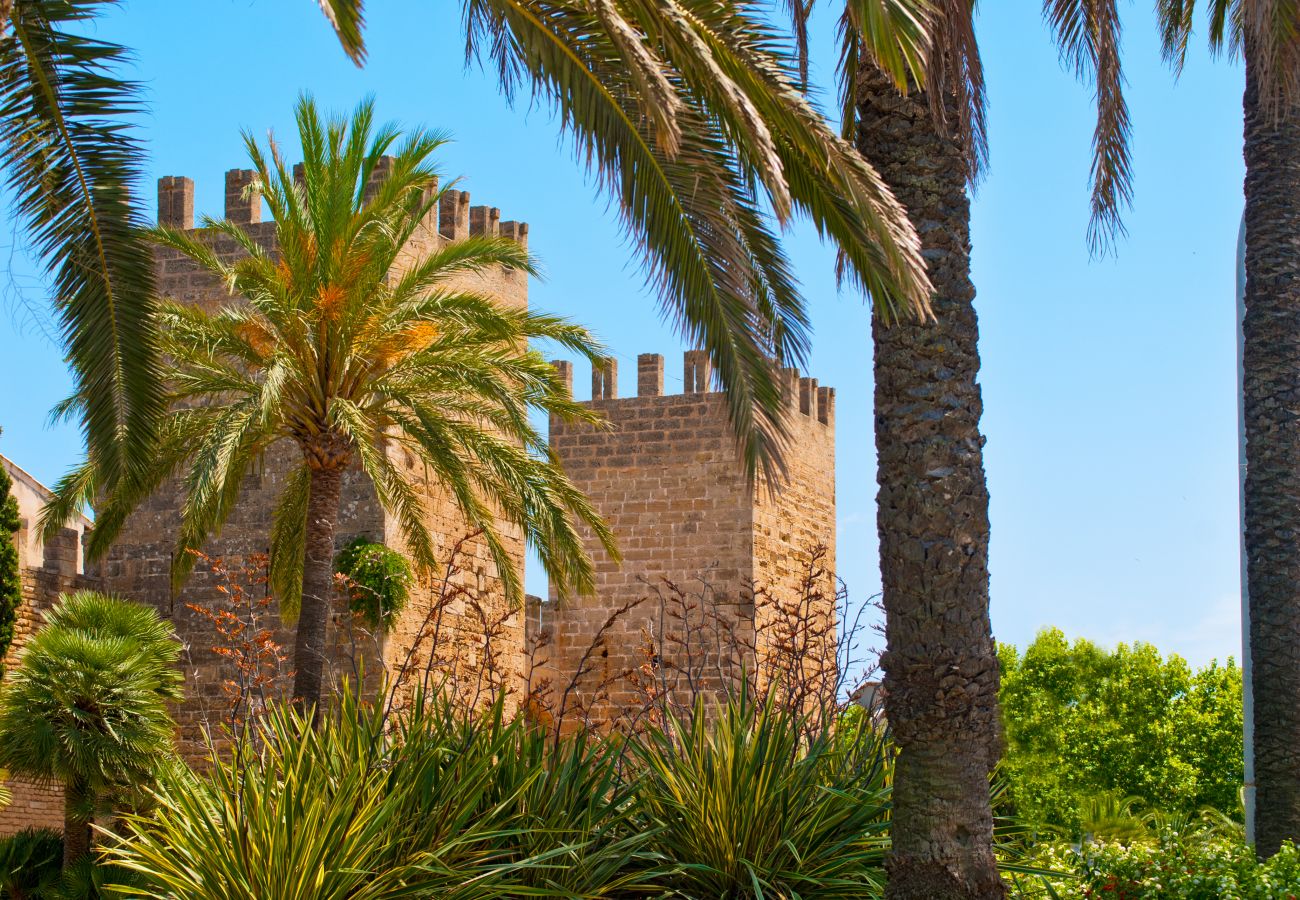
139,564
692,530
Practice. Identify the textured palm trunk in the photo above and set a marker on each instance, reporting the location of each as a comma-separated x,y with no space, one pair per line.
1271,362
940,667
317,581
76,824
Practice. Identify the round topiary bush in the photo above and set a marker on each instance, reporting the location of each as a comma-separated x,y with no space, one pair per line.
378,580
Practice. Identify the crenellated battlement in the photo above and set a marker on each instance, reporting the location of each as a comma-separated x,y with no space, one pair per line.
454,218
805,395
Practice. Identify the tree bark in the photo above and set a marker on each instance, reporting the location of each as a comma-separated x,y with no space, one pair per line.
1271,387
76,823
317,576
940,666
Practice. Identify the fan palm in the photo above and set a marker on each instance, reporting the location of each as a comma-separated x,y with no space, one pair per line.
87,705
335,345
916,113
1267,34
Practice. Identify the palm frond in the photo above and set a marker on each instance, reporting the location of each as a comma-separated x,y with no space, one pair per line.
348,19
748,139
70,161
1088,35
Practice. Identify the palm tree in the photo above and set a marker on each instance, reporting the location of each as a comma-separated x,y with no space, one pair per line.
1267,35
916,112
686,111
87,706
333,345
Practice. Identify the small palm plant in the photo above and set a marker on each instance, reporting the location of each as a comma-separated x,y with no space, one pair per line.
87,705
327,346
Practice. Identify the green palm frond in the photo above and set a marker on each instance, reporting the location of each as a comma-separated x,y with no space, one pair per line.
348,20
69,160
695,176
1267,30
1088,35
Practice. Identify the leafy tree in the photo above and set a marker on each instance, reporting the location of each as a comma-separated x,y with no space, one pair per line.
87,706
11,593
1083,722
332,347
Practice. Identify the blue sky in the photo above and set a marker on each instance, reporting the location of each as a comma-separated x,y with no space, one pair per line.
1109,385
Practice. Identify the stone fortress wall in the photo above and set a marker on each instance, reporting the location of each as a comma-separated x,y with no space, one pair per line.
693,531
664,473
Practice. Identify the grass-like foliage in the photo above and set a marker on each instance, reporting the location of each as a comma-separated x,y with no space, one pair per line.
748,808
731,803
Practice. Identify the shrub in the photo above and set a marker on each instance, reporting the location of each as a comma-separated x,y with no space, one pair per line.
1210,868
748,808
87,706
377,579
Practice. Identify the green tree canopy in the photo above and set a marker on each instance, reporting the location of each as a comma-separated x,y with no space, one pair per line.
1083,721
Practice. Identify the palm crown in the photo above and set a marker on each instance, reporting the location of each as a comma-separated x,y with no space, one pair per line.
87,704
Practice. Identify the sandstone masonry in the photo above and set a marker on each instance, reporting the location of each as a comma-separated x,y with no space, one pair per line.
666,475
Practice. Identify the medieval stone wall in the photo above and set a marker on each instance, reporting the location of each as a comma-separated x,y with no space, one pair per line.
696,538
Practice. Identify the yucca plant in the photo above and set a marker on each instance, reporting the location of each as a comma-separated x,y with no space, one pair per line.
331,346
86,706
748,808
433,804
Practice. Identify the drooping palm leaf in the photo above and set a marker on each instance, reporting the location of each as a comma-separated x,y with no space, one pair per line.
690,115
69,162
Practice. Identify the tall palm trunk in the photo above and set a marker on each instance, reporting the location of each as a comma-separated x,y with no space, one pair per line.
1271,362
940,668
76,822
326,461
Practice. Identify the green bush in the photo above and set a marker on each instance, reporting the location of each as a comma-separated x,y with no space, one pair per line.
747,807
378,580
1210,868
1082,722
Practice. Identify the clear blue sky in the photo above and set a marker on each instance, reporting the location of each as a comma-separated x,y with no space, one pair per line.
1108,386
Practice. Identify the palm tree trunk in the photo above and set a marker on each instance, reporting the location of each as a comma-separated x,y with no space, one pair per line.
940,665
1271,362
317,581
76,823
